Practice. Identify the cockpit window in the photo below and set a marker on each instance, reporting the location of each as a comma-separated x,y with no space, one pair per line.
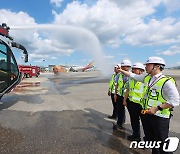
3,67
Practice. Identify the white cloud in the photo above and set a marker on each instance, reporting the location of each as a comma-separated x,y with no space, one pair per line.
53,58
40,58
172,5
174,50
56,2
178,63
155,33
114,22
53,39
105,19
83,60
137,4
122,54
13,18
109,56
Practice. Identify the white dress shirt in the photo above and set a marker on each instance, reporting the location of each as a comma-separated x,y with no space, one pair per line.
169,90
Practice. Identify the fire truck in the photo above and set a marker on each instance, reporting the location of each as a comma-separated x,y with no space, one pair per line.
29,71
10,76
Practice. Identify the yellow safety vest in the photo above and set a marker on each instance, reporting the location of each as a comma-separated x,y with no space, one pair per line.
112,84
121,86
153,95
136,91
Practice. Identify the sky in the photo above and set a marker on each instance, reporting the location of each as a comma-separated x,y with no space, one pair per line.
75,32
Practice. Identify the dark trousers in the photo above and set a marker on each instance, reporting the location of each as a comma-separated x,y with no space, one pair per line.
114,106
155,129
134,112
120,110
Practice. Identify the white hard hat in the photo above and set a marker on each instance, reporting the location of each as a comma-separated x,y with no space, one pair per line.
155,60
138,65
126,63
117,66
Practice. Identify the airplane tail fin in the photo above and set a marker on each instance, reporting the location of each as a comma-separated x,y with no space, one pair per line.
91,63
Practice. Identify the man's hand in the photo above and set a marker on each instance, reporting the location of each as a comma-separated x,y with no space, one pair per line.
152,110
127,73
119,69
124,103
115,97
109,93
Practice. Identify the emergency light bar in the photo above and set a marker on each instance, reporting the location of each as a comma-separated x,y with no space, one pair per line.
4,31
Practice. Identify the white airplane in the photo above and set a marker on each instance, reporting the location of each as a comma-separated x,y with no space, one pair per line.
73,68
81,68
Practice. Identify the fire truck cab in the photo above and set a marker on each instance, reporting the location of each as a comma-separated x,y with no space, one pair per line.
10,75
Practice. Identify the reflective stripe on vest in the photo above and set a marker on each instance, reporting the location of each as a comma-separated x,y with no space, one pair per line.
136,91
153,95
121,86
112,84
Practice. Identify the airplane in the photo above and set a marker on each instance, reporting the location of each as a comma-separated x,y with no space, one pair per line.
81,68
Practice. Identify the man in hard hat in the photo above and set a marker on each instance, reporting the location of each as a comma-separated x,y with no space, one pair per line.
111,90
160,96
119,94
135,93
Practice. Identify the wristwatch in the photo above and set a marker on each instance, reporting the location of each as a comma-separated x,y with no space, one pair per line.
159,108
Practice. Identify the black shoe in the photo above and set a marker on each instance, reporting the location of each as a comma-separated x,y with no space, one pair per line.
120,127
133,138
111,117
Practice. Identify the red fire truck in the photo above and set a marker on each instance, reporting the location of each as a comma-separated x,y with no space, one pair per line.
29,71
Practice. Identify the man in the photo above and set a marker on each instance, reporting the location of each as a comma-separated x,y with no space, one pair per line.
111,90
119,94
135,93
160,96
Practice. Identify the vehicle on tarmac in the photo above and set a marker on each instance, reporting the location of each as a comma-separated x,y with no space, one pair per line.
10,76
29,71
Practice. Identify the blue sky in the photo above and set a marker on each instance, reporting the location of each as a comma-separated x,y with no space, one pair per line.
123,29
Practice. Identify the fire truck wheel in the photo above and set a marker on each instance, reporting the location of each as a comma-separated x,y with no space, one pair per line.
27,75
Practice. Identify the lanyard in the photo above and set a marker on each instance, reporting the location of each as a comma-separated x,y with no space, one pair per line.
150,85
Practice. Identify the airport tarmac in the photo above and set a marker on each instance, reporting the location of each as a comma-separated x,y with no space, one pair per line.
66,113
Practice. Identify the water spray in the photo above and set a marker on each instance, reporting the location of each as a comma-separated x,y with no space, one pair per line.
79,37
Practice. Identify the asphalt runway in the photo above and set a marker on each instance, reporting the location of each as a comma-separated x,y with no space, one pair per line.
65,114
